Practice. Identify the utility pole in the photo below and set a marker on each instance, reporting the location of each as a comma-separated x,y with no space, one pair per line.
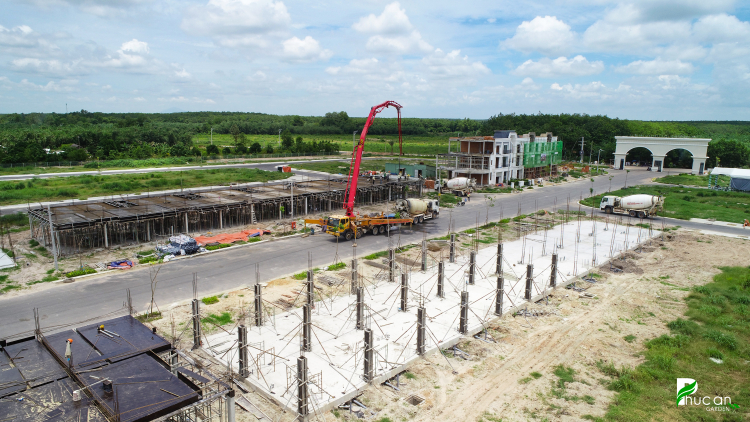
582,149
279,136
598,156
354,142
591,149
212,136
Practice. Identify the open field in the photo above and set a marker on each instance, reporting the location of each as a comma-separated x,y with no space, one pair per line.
687,179
686,203
413,144
83,187
342,167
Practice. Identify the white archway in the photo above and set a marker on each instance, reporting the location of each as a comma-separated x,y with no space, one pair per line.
659,148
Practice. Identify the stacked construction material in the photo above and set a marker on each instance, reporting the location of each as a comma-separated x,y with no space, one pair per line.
179,245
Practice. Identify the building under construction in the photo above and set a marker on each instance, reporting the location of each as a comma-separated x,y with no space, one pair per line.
134,219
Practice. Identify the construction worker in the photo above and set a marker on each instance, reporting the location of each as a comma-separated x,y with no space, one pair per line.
69,352
468,195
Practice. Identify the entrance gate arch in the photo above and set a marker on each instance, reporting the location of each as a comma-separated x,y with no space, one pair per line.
659,148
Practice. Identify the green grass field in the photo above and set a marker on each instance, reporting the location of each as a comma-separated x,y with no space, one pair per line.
717,326
412,144
687,179
83,187
342,167
687,203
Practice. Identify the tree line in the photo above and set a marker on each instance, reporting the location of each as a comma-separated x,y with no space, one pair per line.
83,135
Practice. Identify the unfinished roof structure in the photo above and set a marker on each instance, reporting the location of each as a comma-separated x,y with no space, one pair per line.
112,370
132,219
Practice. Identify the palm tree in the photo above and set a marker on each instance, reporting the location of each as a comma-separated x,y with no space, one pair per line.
391,142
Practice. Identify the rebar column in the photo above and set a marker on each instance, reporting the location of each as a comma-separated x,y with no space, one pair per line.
441,279
369,361
529,280
424,255
499,293
310,289
353,287
242,348
553,271
472,265
453,249
196,324
360,308
306,328
258,305
499,264
391,266
302,408
421,320
404,292
463,323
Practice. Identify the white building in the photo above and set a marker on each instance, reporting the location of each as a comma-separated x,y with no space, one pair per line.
501,158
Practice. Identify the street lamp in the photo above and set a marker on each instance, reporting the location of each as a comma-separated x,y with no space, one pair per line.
212,136
279,136
354,143
598,156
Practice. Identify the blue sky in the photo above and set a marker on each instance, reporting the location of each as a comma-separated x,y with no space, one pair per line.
640,59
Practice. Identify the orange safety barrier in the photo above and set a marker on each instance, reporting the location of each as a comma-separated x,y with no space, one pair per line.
230,237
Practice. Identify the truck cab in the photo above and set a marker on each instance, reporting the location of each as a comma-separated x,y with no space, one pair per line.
609,202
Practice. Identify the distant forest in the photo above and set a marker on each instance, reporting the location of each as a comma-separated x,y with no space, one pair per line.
86,135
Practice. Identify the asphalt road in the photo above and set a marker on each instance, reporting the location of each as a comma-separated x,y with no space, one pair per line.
271,166
69,303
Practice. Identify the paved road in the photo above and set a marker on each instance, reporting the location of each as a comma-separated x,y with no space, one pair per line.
263,166
68,303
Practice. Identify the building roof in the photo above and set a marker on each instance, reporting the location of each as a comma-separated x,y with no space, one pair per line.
732,172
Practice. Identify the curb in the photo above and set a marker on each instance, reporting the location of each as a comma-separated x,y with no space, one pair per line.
177,258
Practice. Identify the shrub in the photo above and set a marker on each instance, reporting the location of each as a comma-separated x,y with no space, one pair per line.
336,267
709,310
148,259
77,273
702,289
376,255
676,341
722,339
300,276
219,246
715,299
714,353
210,300
223,319
683,326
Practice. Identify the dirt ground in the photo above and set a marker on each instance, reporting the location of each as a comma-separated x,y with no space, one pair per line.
514,378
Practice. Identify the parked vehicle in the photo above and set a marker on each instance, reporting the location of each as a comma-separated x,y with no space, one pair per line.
459,186
640,206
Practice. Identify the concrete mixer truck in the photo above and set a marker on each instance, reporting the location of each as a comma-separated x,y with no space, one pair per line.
418,210
459,186
640,206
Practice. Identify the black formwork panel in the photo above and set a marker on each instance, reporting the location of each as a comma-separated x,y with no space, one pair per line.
51,402
84,355
34,361
11,380
131,337
142,389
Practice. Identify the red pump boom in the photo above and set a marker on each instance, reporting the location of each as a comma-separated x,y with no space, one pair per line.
351,187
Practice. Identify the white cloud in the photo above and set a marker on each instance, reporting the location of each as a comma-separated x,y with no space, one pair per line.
547,35
453,65
491,20
392,32
106,8
411,43
239,23
639,38
51,67
182,74
548,68
666,10
721,28
592,90
306,50
393,21
656,67
67,85
135,46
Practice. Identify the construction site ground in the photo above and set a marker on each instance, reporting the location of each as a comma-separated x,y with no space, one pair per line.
517,378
